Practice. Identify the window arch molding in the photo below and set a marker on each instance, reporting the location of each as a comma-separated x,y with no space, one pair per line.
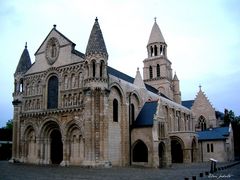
52,91
202,123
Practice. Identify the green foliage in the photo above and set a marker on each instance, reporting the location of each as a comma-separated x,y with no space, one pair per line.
9,124
229,117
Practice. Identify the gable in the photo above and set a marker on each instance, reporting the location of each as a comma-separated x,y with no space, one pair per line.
202,106
62,54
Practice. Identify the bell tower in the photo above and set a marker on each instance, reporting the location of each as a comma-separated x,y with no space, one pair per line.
157,70
19,90
96,97
96,59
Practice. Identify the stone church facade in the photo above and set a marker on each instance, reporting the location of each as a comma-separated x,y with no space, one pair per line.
71,108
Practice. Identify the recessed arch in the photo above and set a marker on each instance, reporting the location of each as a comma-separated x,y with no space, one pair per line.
177,147
161,154
30,148
52,92
115,110
51,133
202,123
140,152
93,63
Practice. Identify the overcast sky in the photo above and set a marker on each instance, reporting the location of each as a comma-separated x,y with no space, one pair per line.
203,39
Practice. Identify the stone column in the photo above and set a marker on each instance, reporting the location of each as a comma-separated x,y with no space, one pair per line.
155,155
187,155
65,161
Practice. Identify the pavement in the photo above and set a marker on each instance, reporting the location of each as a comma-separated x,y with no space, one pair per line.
9,171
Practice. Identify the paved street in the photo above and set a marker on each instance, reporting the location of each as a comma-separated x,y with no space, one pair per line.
177,171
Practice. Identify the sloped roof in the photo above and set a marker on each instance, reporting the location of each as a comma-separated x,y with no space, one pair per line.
220,133
156,35
96,42
188,104
146,115
129,79
25,62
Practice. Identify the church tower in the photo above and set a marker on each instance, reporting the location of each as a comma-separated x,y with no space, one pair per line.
23,65
96,98
157,70
96,59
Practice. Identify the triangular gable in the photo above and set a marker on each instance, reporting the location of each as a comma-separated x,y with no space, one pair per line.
54,32
66,53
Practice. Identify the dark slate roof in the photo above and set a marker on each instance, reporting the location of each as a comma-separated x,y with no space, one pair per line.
220,133
96,42
129,79
188,104
120,75
146,115
78,53
24,63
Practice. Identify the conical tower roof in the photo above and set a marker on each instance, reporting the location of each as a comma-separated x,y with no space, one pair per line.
138,81
25,62
156,34
96,42
175,78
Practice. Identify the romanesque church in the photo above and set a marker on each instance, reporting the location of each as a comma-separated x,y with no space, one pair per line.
71,108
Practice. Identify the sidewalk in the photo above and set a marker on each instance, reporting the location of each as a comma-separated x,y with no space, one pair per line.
176,172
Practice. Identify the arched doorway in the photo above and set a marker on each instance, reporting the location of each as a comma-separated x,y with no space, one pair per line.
176,151
56,147
140,152
161,154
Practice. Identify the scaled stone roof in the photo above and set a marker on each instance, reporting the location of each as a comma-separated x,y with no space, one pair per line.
24,63
156,35
96,42
220,133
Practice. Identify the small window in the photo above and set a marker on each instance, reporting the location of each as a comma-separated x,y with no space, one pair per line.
211,147
21,86
208,148
150,72
155,50
132,113
102,69
93,69
115,110
158,70
151,51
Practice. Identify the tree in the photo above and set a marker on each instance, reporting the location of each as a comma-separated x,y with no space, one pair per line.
9,124
229,117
